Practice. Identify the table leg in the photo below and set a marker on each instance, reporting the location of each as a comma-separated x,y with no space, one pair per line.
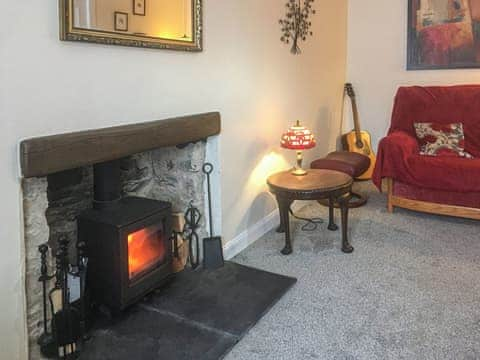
343,202
284,207
331,214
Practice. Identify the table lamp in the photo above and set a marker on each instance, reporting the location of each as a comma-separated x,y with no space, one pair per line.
298,138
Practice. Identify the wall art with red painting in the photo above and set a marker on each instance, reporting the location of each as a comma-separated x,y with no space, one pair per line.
443,34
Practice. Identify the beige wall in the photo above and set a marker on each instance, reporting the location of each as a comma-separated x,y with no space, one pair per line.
245,72
377,42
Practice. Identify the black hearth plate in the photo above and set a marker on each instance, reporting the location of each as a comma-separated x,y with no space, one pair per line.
148,335
199,315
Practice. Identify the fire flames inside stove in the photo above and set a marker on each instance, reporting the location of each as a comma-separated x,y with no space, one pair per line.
146,250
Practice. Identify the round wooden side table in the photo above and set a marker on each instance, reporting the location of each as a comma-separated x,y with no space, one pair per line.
317,184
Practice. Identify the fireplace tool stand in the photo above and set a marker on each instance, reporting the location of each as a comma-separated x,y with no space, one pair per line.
67,325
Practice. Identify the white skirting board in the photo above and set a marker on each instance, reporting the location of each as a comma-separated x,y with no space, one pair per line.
255,232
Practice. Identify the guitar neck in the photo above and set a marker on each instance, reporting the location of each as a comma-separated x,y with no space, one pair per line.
356,121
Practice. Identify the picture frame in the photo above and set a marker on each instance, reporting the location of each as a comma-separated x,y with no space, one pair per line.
121,21
139,7
443,35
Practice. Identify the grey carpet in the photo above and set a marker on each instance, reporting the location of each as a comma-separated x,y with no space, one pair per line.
411,289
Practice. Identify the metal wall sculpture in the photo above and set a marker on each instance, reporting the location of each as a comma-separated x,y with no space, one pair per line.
296,24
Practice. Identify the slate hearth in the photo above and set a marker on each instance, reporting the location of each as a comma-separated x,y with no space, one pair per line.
200,315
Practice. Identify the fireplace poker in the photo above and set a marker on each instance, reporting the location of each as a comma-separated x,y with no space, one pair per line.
82,262
46,340
56,297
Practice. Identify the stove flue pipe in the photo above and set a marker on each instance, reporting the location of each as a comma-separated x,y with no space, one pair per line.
106,184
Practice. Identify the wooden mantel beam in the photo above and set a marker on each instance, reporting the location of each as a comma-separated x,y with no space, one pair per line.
50,154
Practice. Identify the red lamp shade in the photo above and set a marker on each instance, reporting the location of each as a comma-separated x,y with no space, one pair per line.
298,138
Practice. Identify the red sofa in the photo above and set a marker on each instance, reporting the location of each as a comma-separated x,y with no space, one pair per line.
440,185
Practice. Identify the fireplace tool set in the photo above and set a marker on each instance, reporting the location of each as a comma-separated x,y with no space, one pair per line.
212,245
67,327
64,333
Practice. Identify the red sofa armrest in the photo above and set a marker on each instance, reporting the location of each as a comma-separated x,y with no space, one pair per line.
400,141
393,151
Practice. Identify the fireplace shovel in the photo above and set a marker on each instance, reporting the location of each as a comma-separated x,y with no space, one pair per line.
212,246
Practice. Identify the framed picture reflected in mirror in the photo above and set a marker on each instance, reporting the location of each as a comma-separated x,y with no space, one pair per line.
139,7
121,21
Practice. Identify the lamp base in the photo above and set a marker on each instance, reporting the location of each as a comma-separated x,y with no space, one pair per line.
299,172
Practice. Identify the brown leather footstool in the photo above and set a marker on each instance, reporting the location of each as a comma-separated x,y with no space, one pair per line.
349,163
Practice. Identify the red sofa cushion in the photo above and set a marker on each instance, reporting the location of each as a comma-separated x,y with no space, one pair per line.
440,104
444,173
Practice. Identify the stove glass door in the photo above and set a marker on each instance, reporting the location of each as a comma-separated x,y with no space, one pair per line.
147,249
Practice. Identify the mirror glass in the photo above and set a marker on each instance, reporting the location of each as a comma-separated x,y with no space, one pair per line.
175,21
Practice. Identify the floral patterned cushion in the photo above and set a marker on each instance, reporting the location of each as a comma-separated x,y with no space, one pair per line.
441,139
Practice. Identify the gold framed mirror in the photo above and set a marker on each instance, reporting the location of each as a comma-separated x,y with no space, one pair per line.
160,24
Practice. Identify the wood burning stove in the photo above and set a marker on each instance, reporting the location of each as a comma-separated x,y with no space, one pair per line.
128,242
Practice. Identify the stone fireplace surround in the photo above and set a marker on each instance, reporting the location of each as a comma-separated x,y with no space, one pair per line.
161,160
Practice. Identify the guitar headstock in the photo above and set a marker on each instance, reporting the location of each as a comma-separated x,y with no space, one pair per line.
349,90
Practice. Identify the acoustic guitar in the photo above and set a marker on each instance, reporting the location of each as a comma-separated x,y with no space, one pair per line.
358,141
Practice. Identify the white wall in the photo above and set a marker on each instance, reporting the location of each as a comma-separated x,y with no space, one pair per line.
377,43
48,86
